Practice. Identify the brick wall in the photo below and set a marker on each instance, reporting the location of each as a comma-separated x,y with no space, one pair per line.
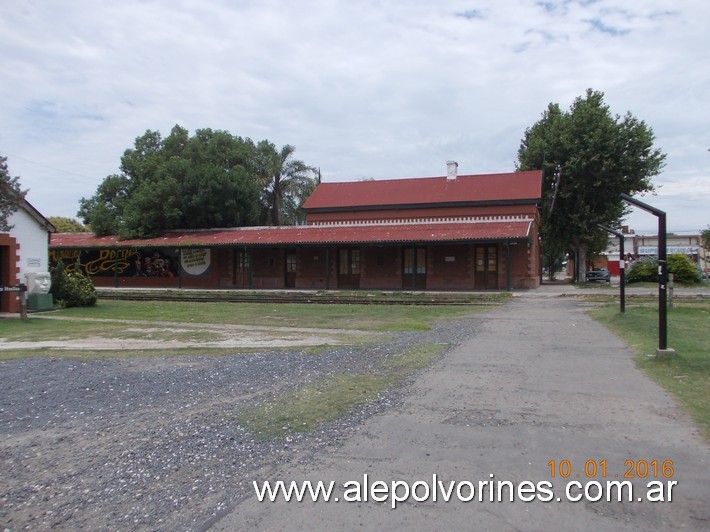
9,272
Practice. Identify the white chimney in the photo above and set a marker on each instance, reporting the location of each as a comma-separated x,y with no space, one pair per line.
451,167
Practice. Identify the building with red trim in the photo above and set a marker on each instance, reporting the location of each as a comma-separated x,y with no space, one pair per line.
23,251
468,232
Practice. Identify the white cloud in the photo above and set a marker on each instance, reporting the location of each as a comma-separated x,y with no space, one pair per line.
362,89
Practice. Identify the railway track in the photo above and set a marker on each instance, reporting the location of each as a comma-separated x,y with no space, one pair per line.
315,298
365,298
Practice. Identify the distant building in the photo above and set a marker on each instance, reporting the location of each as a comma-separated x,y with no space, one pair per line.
23,251
639,246
452,232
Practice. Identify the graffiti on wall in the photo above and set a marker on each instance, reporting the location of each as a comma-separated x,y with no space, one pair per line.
69,258
136,262
148,263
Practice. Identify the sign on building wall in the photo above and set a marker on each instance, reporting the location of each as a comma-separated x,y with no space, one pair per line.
195,261
683,250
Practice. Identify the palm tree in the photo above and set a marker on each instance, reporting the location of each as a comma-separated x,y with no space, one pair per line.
286,179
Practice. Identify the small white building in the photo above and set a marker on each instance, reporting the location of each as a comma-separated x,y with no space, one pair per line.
23,250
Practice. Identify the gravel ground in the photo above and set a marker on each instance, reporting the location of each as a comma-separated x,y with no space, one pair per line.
152,443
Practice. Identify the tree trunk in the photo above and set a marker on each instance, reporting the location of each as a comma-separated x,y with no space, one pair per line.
277,210
581,264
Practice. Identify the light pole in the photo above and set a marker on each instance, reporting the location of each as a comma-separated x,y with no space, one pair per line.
663,349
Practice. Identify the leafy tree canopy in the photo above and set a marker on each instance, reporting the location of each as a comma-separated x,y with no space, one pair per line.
588,156
210,179
67,225
705,235
11,195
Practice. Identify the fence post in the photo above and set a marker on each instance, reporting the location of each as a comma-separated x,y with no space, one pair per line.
23,301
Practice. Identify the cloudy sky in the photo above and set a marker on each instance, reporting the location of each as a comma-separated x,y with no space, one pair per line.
362,88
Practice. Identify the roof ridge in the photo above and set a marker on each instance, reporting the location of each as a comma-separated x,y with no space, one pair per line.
427,220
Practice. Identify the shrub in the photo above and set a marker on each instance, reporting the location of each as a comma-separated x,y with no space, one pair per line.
59,281
645,269
72,289
683,269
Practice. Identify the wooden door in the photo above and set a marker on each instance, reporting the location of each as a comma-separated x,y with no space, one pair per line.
291,266
348,268
414,268
486,267
241,268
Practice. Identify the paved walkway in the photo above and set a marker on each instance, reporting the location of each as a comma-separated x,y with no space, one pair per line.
539,382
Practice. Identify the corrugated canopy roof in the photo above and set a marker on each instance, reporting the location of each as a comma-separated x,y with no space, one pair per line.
514,187
367,233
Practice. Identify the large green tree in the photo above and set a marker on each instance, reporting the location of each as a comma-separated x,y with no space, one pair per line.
11,195
178,182
288,182
588,157
103,212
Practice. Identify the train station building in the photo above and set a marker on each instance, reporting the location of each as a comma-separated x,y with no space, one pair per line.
453,232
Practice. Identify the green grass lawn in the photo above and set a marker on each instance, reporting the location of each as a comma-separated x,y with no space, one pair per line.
367,317
328,399
37,329
687,375
304,409
703,285
143,319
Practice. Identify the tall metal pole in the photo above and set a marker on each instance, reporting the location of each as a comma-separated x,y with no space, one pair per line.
250,267
508,284
414,267
622,266
662,283
662,274
115,269
179,267
622,273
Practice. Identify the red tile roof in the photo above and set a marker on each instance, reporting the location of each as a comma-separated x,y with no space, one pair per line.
511,188
516,228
